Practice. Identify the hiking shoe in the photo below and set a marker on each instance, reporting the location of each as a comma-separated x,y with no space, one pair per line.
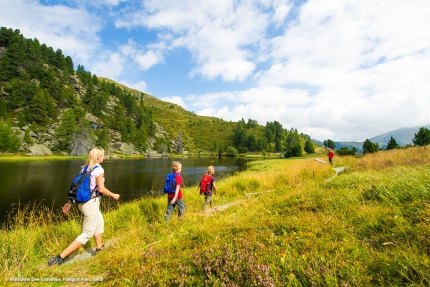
55,260
100,249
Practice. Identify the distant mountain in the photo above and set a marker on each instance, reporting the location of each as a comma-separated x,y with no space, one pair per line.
403,136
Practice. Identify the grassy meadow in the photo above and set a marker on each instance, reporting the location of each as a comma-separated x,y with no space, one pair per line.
290,223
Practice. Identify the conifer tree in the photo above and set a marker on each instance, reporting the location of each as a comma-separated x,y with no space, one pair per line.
67,128
422,137
370,147
392,144
3,107
9,140
37,110
89,95
309,147
141,139
27,137
10,61
252,143
330,144
240,134
270,132
32,53
278,145
293,145
103,138
69,65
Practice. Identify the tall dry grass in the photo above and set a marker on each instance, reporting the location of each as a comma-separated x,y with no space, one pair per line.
393,158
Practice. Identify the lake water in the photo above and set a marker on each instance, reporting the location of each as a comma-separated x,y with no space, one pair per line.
47,182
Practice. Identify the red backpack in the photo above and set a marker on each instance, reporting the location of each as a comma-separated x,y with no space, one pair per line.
205,183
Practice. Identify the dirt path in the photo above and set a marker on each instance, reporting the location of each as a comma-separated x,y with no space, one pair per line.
221,207
337,170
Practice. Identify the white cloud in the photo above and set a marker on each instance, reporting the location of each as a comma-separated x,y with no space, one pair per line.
148,60
144,59
281,12
367,62
111,66
140,85
107,2
264,96
218,34
175,100
73,30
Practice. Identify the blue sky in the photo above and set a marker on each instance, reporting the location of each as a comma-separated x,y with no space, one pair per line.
344,70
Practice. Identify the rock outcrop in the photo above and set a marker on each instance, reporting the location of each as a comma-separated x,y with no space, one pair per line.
38,150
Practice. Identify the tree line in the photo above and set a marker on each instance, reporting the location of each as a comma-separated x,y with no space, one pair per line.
274,138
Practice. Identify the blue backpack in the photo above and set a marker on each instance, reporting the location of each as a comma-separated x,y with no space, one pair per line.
79,191
170,185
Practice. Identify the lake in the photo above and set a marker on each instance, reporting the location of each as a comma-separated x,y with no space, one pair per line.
47,182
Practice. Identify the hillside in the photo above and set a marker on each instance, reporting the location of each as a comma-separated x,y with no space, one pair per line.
200,133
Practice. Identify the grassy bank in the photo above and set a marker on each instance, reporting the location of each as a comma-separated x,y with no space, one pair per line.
288,227
16,157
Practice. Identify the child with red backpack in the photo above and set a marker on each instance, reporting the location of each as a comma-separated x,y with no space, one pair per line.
207,185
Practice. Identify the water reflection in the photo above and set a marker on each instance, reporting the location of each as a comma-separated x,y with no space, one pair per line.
48,181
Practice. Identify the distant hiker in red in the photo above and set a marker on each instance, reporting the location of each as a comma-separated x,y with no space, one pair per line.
207,186
330,155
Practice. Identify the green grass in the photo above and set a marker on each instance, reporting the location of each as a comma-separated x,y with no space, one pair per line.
17,157
370,226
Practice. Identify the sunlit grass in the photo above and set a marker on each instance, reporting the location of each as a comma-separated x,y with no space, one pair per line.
288,227
14,157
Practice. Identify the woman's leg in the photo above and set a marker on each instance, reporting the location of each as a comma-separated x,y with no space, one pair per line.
99,242
72,247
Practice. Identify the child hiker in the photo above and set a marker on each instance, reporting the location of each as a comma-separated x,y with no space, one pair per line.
207,186
93,224
174,199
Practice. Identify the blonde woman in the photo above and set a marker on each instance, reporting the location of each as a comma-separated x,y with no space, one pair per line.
93,224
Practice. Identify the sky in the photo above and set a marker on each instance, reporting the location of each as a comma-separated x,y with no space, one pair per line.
345,70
